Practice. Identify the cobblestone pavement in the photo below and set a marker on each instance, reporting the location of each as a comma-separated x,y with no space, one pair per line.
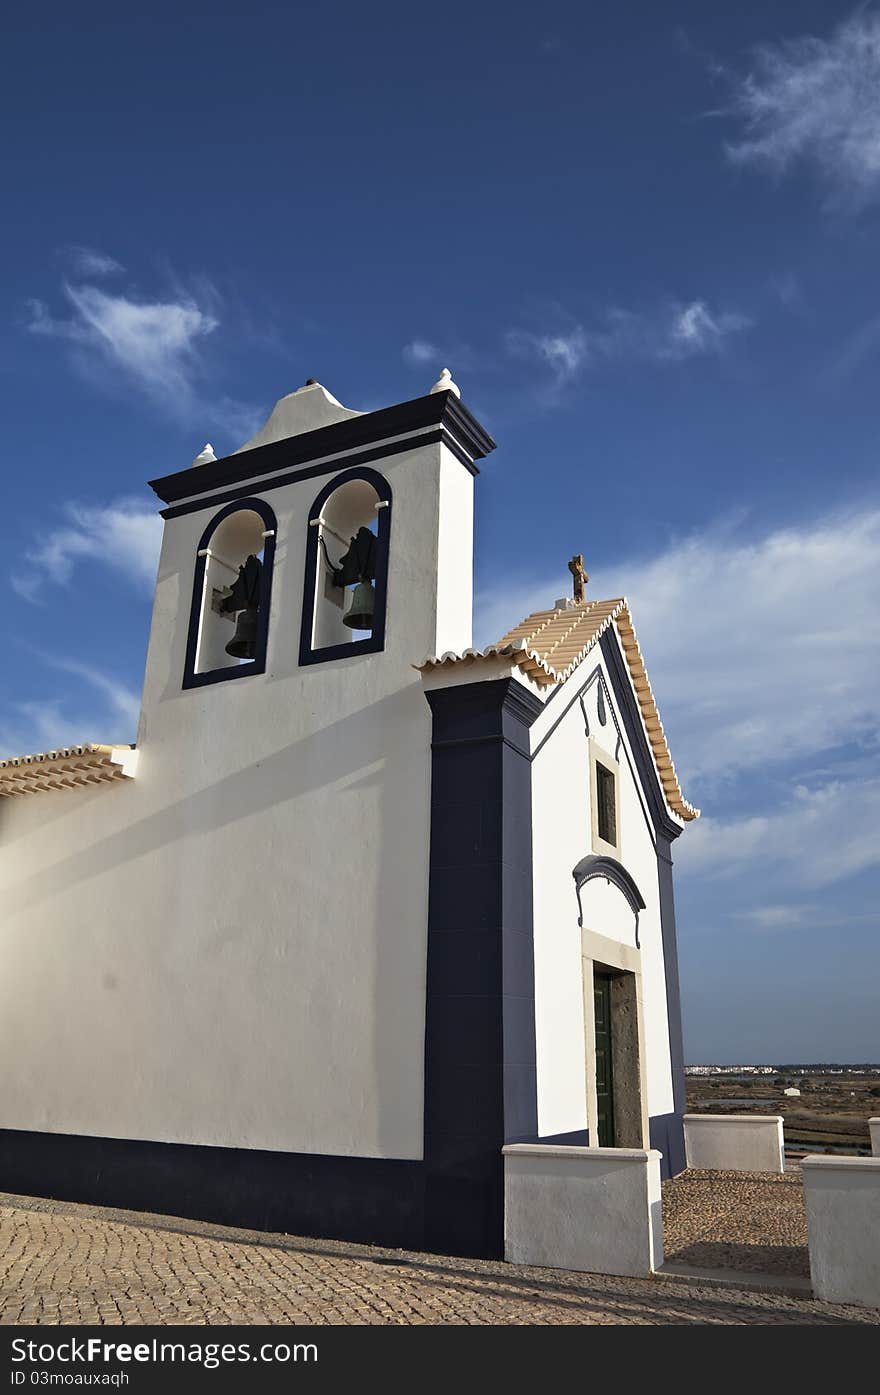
64,1263
737,1220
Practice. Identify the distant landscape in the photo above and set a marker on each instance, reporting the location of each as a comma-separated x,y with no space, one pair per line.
829,1113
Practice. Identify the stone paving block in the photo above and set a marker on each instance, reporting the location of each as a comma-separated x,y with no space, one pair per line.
60,1262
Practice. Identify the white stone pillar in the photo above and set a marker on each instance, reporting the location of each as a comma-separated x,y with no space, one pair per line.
843,1224
592,1209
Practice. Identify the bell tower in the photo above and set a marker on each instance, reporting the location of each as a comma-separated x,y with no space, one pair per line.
330,535
282,810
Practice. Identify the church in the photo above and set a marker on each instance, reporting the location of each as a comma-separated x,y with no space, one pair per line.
362,903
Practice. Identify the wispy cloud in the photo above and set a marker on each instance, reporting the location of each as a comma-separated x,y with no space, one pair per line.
674,332
761,650
563,353
157,343
154,342
422,352
95,707
818,837
419,351
782,917
695,329
795,915
816,101
762,653
787,289
121,700
860,346
89,263
124,535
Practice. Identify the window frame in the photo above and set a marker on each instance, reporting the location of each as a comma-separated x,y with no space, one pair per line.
192,679
375,641
599,756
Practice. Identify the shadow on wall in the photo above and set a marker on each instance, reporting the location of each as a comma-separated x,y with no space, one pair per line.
354,753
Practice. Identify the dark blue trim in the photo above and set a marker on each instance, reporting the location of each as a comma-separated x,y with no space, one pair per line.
576,1138
439,409
480,1057
375,642
596,865
480,1054
666,1134
618,673
596,675
373,1200
673,1007
191,679
327,467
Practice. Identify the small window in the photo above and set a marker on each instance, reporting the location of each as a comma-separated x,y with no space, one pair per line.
229,616
606,804
604,775
346,568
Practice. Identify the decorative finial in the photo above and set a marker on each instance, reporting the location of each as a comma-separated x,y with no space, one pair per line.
205,455
445,384
580,577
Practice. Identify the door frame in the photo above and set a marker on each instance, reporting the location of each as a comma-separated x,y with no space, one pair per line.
610,957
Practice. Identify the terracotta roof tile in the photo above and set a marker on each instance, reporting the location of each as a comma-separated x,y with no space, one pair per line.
548,646
68,768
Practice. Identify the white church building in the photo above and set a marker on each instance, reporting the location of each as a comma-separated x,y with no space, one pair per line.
361,904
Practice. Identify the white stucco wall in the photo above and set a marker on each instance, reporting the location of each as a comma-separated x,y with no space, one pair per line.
230,949
562,836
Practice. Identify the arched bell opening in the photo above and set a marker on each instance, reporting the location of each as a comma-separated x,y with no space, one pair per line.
231,593
346,568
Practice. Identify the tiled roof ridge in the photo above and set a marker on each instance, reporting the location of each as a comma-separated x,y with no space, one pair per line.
549,663
67,767
651,717
86,748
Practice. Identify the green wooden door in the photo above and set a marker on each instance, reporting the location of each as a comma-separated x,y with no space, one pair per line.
604,1081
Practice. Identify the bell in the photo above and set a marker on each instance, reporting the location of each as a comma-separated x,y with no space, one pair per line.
359,615
243,644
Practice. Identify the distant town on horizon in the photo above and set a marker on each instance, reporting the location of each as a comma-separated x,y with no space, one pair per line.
816,1068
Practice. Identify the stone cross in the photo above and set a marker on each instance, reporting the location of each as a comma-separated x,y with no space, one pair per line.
580,577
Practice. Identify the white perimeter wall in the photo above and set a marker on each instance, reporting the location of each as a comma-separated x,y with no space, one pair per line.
561,824
230,949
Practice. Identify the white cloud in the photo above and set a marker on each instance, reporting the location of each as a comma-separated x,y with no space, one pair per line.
817,101
158,344
564,354
762,654
107,712
819,836
155,342
673,332
794,915
124,535
694,329
121,700
88,262
782,917
420,351
760,651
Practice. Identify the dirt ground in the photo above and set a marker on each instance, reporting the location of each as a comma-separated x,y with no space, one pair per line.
832,1110
752,1222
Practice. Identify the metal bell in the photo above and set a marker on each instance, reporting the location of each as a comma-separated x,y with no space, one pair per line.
359,615
243,644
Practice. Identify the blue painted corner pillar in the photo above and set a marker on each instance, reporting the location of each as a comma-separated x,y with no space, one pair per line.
480,1062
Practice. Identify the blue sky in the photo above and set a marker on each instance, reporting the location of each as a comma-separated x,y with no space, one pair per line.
643,237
